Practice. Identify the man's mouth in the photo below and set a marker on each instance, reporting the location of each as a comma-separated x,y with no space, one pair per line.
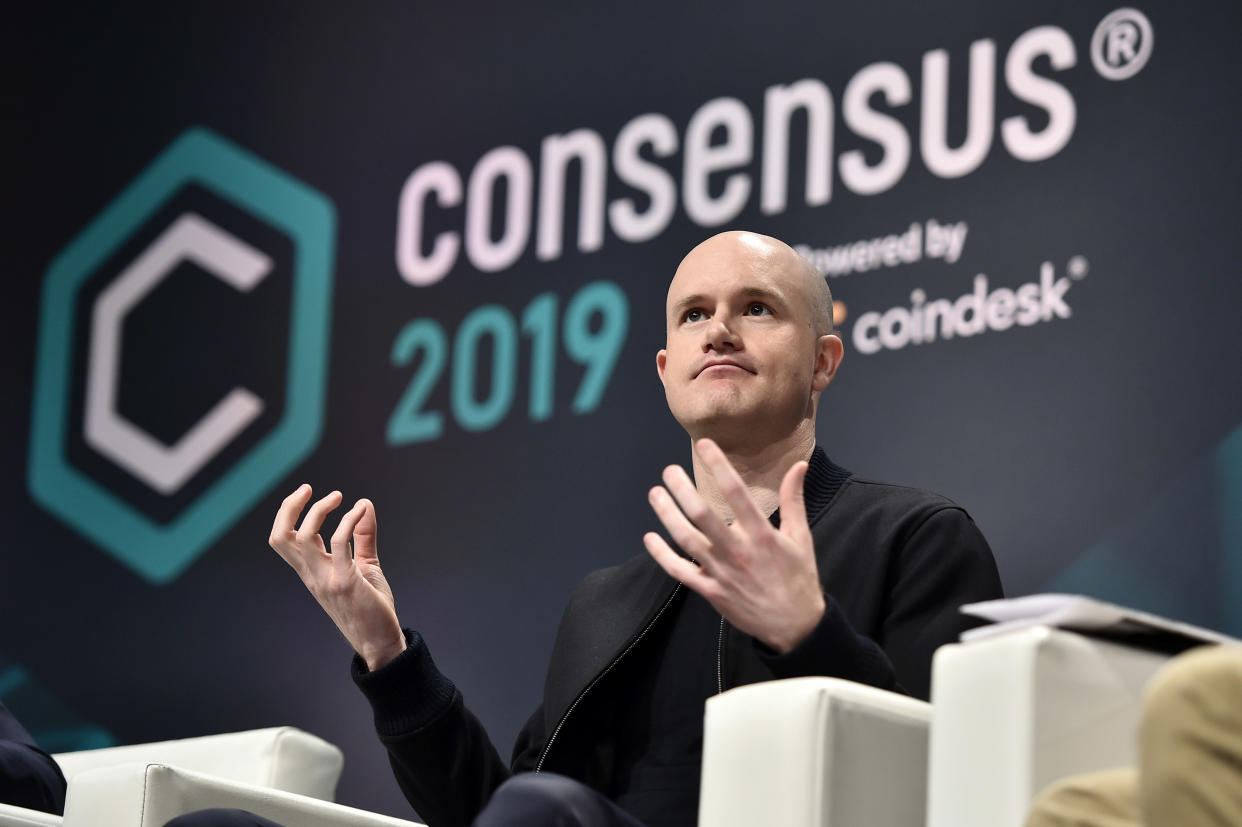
723,365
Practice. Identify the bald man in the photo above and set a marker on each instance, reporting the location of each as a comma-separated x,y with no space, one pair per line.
783,564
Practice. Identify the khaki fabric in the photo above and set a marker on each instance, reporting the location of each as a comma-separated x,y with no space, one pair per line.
1108,798
1190,756
1190,742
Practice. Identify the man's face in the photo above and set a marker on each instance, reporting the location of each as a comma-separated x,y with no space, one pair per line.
743,359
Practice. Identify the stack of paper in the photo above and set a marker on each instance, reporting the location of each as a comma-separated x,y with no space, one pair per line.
1083,614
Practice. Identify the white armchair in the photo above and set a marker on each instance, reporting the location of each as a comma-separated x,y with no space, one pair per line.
1011,714
803,752
814,752
11,816
1015,712
281,758
149,794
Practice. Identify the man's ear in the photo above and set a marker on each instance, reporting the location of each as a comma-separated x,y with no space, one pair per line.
828,355
661,361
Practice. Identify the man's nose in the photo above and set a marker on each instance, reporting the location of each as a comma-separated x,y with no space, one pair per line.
720,335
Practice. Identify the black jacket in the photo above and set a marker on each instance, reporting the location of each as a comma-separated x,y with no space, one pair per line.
895,564
29,777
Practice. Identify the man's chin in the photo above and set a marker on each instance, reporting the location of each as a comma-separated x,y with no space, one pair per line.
738,420
724,421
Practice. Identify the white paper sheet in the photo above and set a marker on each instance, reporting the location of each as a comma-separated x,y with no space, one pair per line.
1074,611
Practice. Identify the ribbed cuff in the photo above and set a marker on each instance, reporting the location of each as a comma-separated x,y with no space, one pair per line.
835,650
408,692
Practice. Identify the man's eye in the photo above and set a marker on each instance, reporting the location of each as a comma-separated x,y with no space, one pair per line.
757,309
694,315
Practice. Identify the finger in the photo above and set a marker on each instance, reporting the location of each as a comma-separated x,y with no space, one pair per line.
317,513
341,557
683,532
287,514
674,565
793,502
729,482
365,540
695,508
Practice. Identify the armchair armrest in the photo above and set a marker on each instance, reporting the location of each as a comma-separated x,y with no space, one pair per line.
1015,712
11,816
814,752
148,795
284,758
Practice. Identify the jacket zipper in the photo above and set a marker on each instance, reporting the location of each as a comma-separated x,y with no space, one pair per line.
720,658
548,746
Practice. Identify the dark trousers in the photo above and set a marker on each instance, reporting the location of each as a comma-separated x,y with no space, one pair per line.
551,800
527,800
220,818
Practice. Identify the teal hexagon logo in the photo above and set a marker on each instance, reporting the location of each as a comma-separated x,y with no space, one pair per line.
160,551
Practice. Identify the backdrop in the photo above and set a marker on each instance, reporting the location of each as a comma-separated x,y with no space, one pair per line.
419,253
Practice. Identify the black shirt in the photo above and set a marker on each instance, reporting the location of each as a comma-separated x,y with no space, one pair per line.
659,747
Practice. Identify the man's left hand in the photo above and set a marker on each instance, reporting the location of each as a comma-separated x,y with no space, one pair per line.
762,579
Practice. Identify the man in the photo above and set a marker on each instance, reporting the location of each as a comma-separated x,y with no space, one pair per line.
788,565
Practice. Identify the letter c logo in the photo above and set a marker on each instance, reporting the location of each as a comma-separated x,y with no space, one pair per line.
166,468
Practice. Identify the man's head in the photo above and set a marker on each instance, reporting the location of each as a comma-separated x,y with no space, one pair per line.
750,342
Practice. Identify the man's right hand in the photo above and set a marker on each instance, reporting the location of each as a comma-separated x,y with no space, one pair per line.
351,589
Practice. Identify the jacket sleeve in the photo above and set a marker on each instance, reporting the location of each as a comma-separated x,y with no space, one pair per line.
943,563
836,650
442,757
29,777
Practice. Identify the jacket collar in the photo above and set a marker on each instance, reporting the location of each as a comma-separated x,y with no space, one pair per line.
824,479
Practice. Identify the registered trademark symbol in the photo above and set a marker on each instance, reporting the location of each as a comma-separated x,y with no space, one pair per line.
1077,267
1121,44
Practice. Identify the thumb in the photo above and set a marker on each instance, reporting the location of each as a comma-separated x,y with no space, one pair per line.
366,545
793,504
